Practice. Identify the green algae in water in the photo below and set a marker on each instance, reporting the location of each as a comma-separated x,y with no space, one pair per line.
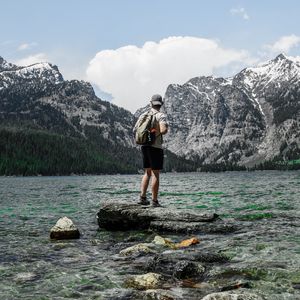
73,194
177,194
68,211
279,193
215,193
189,206
255,274
124,192
282,205
260,247
295,276
7,209
117,192
253,217
25,218
254,207
70,186
215,199
179,201
195,199
295,239
35,196
201,206
67,208
216,205
189,194
101,189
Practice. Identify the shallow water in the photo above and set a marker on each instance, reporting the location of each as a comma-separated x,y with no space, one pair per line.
33,267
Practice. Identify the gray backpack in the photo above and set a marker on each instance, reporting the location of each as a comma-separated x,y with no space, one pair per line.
145,130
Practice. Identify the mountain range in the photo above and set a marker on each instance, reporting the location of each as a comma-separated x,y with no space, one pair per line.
247,119
49,125
244,120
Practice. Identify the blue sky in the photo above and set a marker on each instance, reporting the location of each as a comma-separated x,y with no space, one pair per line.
189,38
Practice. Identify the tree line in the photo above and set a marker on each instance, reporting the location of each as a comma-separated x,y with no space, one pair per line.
38,152
32,152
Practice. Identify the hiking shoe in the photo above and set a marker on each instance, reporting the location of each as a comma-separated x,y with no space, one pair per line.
156,204
143,201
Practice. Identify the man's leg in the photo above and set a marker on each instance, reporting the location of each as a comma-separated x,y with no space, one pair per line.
155,184
145,182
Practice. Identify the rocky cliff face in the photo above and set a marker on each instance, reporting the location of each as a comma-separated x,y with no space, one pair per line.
38,96
251,117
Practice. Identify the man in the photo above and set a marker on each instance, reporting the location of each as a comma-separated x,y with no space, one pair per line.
153,155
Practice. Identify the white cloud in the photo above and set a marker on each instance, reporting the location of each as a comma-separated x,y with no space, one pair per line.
132,74
240,12
26,46
32,59
283,44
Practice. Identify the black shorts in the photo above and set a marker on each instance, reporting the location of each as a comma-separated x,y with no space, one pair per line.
152,158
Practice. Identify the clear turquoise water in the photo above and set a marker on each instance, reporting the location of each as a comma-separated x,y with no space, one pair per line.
34,267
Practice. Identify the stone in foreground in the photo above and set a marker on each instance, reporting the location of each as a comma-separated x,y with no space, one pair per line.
64,229
144,281
232,296
137,249
124,216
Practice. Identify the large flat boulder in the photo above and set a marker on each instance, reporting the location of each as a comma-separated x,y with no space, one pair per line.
124,216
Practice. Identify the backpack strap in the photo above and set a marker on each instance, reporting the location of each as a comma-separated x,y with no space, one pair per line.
151,121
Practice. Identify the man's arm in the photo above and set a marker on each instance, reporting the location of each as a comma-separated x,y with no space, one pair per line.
163,128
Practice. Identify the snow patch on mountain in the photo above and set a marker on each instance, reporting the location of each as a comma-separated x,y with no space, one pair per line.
282,68
40,70
12,76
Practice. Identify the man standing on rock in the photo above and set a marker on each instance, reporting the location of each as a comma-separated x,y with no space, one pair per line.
153,155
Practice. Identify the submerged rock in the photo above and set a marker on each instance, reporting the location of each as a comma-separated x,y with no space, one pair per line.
232,296
64,229
187,269
25,276
162,262
180,269
213,226
122,294
159,295
137,249
159,240
237,285
123,216
144,281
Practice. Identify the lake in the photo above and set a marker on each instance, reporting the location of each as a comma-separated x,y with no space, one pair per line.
34,267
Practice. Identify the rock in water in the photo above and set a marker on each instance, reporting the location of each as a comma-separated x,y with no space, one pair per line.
144,281
188,269
158,240
232,296
160,294
129,216
137,249
64,229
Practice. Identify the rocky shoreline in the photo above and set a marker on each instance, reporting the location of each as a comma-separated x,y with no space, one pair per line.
161,268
